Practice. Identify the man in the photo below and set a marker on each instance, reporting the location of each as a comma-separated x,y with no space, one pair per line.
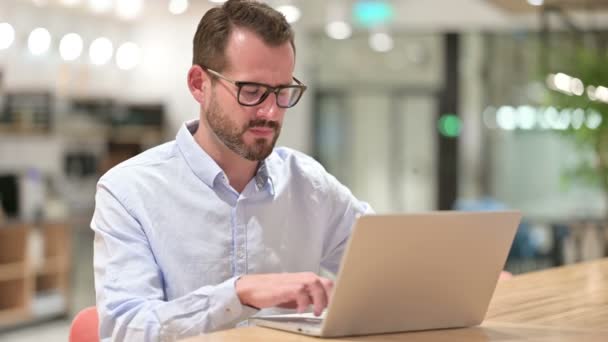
200,233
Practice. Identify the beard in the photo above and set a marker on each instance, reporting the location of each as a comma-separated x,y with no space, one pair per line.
231,135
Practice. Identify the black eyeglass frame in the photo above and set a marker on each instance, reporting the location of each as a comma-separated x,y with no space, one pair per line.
269,89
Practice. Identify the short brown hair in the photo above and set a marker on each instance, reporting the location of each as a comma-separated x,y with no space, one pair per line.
214,29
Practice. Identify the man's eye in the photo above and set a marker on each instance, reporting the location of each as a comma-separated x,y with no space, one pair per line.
251,91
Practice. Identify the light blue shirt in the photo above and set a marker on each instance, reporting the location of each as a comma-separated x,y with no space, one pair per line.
172,236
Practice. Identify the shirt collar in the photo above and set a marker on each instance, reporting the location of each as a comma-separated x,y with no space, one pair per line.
270,168
206,168
262,177
197,159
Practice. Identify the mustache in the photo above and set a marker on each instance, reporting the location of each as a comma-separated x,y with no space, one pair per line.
263,123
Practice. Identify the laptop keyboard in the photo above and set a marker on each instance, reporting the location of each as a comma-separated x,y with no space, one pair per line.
298,320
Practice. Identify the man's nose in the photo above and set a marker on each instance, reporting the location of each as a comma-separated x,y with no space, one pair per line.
269,109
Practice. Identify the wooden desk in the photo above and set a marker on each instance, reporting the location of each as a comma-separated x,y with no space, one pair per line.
561,304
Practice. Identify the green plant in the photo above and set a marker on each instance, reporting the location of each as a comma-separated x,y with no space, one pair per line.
591,67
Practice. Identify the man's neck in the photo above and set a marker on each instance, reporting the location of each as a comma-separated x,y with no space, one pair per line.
238,169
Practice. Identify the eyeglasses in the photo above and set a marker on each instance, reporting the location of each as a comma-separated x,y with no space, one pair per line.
252,93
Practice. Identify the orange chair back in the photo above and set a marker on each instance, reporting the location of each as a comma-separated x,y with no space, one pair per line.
85,326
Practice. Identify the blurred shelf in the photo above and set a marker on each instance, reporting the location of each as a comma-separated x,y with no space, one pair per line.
12,271
48,304
12,317
54,265
136,134
26,294
16,129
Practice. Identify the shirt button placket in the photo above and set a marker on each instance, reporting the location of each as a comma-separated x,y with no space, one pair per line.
240,245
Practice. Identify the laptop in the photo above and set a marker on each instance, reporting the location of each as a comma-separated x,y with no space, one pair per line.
412,272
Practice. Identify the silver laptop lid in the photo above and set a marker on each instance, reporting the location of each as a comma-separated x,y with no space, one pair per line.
419,271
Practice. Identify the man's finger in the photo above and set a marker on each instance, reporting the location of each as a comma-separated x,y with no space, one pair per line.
302,297
328,285
319,297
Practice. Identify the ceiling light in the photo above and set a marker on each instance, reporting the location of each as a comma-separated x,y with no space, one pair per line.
338,30
292,13
566,84
594,119
7,35
562,82
178,6
128,56
101,51
536,2
129,9
576,87
381,42
551,118
39,41
565,118
70,47
578,118
70,3
100,6
591,93
542,118
602,94
506,118
525,117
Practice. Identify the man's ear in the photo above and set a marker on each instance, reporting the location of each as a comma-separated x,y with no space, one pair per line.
198,81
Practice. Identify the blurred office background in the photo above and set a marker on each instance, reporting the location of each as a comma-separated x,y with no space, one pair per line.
415,105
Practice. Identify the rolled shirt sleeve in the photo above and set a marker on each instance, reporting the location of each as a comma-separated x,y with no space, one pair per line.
343,210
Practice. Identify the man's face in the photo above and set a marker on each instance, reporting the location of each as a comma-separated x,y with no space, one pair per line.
263,133
250,132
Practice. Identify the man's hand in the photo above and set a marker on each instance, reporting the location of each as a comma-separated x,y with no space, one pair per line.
285,290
